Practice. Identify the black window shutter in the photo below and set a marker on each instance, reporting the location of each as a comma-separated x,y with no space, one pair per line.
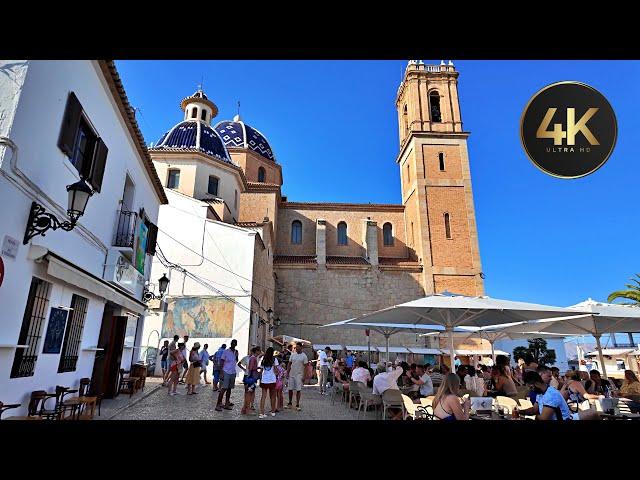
152,236
70,124
98,164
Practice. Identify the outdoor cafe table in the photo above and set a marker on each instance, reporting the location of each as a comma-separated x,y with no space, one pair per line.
619,416
494,416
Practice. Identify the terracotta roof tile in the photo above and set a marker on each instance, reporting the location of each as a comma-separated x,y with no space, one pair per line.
339,260
279,259
397,261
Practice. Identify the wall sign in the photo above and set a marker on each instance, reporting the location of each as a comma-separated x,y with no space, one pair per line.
141,246
55,330
10,247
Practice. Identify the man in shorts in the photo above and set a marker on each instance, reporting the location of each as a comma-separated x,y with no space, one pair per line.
295,372
228,371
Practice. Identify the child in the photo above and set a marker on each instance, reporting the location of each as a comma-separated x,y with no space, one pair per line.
281,380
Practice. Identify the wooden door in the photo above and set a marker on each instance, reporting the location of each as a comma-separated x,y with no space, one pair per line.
106,368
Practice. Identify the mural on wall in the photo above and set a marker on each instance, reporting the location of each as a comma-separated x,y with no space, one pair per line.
198,317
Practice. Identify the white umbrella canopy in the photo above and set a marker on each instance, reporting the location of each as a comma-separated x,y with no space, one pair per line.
450,311
603,318
385,329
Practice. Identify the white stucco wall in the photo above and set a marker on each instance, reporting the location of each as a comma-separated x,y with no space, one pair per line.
31,111
184,222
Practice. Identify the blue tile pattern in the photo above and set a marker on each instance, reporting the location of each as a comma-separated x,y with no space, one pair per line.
184,136
233,135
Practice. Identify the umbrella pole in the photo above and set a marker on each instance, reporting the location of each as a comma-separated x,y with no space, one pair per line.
386,336
452,354
600,356
493,353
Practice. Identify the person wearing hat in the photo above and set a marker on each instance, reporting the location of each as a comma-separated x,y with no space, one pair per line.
193,373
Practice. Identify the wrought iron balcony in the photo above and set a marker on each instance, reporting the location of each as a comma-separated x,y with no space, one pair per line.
126,231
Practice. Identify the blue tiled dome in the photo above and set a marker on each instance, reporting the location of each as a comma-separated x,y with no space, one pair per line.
194,135
238,134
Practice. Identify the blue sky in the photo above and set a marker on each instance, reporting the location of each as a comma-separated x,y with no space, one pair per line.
542,239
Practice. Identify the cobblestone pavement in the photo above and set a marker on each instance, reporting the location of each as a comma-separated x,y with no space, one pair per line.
160,406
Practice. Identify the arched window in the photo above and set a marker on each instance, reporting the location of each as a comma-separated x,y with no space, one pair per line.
261,174
342,233
212,188
194,113
296,232
387,234
203,115
173,178
434,106
447,226
441,160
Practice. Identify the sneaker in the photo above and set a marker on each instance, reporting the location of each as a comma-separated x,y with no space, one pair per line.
273,414
218,408
288,406
298,409
228,407
262,415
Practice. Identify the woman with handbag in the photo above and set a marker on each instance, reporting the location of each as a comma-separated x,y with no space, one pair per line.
268,381
193,373
250,381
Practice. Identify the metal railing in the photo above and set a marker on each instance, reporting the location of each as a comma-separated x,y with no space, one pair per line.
126,231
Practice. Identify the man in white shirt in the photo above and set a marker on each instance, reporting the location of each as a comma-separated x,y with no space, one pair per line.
387,380
424,381
361,374
295,373
323,365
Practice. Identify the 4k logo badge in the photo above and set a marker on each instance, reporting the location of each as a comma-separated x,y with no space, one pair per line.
568,129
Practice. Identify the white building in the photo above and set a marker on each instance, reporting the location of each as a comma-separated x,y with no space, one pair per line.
71,300
220,270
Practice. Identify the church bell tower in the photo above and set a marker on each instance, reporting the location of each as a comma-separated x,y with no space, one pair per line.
436,181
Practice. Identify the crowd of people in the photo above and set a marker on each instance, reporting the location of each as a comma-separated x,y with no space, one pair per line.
281,376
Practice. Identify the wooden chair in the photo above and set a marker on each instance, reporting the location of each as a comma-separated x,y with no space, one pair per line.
37,403
127,384
87,409
427,411
8,406
354,393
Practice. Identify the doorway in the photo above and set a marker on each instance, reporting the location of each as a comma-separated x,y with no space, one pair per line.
106,367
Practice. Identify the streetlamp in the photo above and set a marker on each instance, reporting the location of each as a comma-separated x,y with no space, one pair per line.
163,283
40,221
276,322
270,314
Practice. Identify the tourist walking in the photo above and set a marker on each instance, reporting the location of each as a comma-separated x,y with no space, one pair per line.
244,366
295,372
193,373
323,369
175,368
204,362
268,381
228,361
164,353
250,381
173,346
216,360
185,365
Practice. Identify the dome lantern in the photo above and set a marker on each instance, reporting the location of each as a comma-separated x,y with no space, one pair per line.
199,107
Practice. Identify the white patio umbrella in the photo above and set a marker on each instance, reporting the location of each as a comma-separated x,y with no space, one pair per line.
385,329
450,311
603,318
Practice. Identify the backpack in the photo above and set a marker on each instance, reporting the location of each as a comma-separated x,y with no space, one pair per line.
216,359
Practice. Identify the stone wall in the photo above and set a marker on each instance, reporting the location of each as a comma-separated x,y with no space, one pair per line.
354,290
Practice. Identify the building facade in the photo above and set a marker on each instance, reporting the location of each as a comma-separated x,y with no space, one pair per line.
71,300
324,262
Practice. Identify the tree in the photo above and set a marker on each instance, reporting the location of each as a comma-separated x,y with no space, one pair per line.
633,292
538,349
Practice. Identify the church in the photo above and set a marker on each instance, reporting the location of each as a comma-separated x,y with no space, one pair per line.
246,262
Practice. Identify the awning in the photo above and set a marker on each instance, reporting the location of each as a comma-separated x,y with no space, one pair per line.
64,270
360,348
287,339
322,346
485,353
611,351
393,349
425,351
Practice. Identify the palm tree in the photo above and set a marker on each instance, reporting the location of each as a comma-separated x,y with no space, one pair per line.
632,294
